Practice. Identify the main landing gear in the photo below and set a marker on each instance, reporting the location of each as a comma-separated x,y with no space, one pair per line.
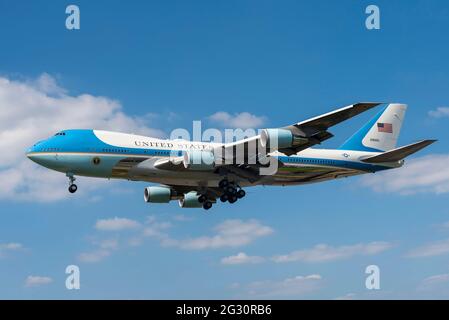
207,204
72,187
232,192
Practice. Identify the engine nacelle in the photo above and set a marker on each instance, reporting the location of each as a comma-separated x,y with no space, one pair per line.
201,160
280,138
190,200
157,194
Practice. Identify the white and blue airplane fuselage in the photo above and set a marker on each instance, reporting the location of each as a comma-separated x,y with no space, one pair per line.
106,154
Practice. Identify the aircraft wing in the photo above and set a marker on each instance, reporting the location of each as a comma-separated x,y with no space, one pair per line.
248,154
298,136
327,120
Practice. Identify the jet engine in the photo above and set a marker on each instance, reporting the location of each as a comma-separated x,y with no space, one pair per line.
158,194
280,138
190,200
200,160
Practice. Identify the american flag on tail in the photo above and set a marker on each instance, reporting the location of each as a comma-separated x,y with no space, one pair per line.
385,127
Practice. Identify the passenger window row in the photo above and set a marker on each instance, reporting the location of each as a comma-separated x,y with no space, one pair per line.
316,161
162,153
51,149
115,150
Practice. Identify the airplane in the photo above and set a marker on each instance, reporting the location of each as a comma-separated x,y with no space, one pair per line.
198,173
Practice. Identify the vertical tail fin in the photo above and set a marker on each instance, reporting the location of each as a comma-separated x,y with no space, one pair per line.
381,133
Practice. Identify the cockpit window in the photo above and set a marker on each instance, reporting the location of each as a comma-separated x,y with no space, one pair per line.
60,134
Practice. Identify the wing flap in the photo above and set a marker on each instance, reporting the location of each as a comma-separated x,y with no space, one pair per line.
312,140
173,164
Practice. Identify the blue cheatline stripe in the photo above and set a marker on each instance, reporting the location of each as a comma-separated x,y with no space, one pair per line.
355,141
333,163
67,155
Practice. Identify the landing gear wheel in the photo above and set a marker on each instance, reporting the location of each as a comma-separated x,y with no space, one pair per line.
232,199
223,184
202,198
230,190
73,188
207,205
224,197
241,193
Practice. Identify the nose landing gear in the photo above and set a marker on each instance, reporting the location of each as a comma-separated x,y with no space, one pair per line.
72,187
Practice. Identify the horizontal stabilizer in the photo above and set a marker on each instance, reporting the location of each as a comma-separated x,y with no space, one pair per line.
399,153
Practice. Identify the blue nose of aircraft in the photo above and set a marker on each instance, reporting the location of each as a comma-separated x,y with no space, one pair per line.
35,154
32,155
47,152
32,150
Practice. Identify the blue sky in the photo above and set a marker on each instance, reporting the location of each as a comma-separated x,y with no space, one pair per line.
153,67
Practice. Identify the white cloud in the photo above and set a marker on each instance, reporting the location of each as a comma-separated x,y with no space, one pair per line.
9,247
157,230
94,256
108,244
287,288
242,120
182,217
444,225
116,224
428,174
47,84
439,112
241,258
35,109
135,241
26,181
439,278
103,248
437,248
437,285
35,281
230,233
325,253
348,296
